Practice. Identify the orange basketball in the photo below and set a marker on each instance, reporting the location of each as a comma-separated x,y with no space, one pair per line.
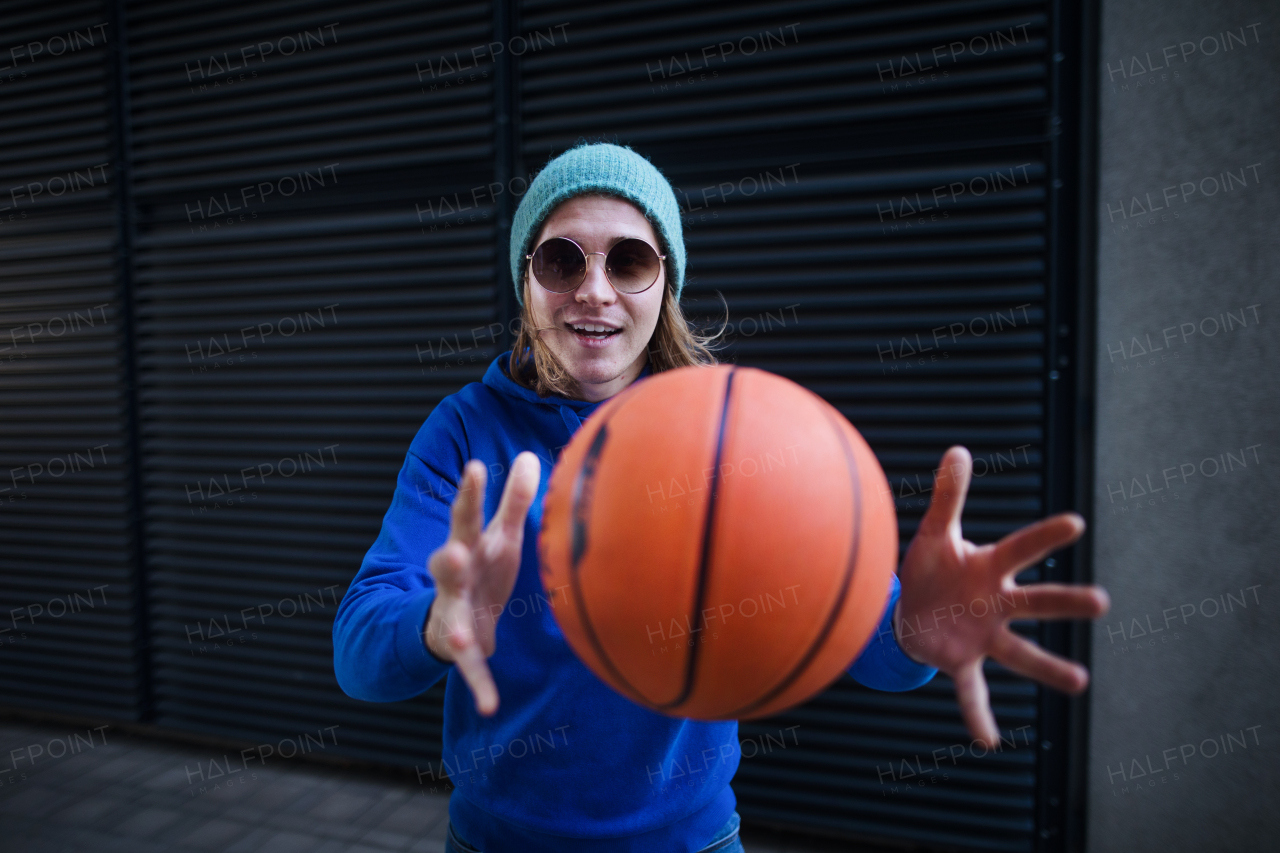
718,542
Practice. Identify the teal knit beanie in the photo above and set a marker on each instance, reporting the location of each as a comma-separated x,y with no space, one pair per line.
603,168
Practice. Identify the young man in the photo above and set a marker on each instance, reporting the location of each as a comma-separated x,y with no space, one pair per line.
563,763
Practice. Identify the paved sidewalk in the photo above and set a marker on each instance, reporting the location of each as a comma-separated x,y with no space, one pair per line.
65,789
109,791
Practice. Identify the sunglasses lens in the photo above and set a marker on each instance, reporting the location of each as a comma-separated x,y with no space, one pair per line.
632,266
559,265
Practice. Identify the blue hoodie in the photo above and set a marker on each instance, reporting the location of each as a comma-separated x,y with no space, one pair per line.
566,764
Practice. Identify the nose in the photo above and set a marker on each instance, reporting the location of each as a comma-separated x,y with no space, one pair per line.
595,288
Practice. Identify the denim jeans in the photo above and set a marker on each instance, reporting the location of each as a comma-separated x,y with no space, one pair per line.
725,841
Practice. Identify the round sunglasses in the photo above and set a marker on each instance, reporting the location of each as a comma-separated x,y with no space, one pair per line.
560,265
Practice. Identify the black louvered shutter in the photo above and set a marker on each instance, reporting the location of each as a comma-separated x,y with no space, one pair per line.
289,286
283,211
68,585
878,216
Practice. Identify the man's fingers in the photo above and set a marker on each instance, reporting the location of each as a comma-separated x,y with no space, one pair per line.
1027,659
1060,601
975,704
469,659
950,485
448,566
518,495
468,507
1034,542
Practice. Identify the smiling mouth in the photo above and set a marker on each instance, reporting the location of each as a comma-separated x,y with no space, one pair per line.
592,331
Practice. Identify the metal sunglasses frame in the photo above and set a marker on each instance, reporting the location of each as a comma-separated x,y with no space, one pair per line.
586,264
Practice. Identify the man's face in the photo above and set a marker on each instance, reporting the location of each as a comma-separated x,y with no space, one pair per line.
603,363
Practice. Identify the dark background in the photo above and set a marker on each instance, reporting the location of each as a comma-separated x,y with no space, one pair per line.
840,191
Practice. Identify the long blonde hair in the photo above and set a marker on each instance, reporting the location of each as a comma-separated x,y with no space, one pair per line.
675,343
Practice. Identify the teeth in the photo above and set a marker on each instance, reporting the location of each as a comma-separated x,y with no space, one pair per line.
589,327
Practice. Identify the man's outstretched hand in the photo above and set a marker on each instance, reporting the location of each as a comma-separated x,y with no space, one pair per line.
475,571
957,599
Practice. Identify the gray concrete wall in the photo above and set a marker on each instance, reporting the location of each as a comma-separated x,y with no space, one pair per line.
1185,704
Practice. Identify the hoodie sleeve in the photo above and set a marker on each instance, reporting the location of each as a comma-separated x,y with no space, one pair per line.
378,650
883,665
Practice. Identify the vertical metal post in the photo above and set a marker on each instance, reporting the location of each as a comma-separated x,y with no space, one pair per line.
1068,398
122,162
1083,31
506,159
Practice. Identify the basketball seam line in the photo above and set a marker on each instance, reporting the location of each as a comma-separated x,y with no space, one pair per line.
583,491
597,445
704,562
796,671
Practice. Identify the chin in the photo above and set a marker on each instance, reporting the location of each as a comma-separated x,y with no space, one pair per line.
594,371
596,368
